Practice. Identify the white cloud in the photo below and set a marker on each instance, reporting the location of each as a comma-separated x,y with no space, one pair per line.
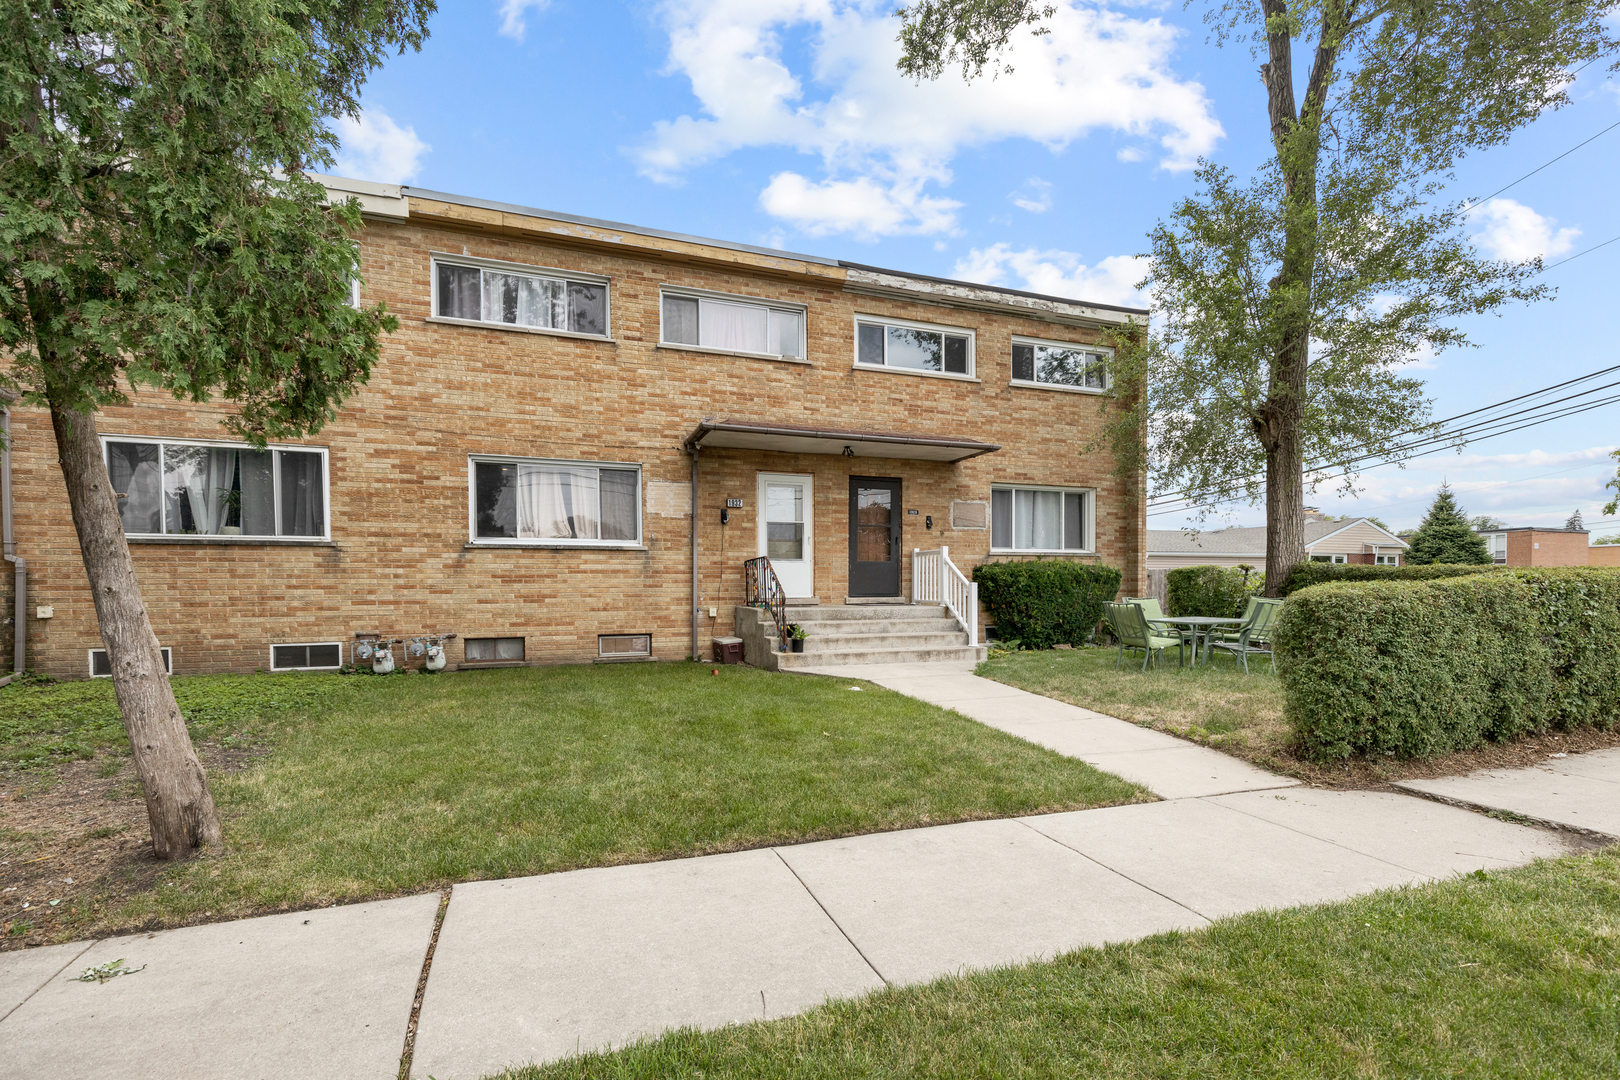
512,12
853,109
1514,232
1130,153
1056,273
1035,196
863,206
376,148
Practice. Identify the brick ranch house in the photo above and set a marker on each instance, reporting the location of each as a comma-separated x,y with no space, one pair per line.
578,435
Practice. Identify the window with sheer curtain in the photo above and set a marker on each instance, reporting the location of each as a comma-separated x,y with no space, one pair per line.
516,298
1040,519
732,325
208,489
567,502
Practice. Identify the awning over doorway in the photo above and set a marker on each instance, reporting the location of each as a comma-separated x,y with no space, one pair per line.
796,439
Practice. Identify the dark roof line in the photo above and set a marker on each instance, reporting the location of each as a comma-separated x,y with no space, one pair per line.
992,288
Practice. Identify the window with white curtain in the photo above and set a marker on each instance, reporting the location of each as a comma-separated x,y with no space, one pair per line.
536,298
732,324
218,489
1041,519
1054,363
908,346
518,500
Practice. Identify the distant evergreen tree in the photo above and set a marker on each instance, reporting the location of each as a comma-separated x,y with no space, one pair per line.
1574,523
1446,535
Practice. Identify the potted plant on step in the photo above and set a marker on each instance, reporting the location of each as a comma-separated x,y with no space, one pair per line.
796,637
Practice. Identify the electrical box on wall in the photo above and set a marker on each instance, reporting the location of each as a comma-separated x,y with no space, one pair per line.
44,613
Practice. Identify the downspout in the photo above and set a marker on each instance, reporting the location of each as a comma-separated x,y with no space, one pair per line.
19,660
696,656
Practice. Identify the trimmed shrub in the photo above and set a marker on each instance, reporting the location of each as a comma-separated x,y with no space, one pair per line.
1220,592
1046,602
1306,574
1420,668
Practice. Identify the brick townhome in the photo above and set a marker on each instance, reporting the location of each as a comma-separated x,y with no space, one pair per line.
519,470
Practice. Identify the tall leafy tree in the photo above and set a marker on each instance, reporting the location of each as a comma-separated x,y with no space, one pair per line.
1290,299
158,232
1613,504
1445,536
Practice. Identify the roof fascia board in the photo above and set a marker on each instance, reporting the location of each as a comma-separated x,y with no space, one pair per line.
894,285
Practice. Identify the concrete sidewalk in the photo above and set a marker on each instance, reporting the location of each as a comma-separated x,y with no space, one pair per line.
534,969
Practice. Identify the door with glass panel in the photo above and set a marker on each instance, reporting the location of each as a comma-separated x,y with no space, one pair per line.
874,536
785,531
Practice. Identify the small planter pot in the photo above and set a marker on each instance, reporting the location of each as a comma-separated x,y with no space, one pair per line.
796,644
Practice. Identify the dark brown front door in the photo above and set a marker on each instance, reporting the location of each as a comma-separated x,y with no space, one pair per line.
874,537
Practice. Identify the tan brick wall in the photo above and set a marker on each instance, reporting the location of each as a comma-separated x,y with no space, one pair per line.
1603,555
399,561
1546,547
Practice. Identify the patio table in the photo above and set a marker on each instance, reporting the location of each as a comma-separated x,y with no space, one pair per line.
1197,623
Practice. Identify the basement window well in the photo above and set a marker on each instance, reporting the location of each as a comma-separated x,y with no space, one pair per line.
101,667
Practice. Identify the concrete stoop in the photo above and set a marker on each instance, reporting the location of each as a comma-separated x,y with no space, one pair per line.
836,634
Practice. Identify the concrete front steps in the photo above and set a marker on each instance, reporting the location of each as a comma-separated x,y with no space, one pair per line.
838,634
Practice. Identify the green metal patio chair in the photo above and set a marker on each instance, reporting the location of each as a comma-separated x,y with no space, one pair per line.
1132,630
1155,617
1254,636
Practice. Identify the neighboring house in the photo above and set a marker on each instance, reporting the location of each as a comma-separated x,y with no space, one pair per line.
1355,541
520,469
1603,555
1530,546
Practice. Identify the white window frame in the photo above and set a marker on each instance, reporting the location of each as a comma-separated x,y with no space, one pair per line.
252,538
1335,560
939,328
1386,560
500,266
1108,369
473,539
1088,522
304,645
801,310
600,655
168,661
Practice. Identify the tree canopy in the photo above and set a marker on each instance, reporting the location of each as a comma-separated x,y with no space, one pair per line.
1445,536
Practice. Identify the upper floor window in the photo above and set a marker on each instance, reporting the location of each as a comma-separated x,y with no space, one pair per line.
732,324
1054,363
212,489
565,502
910,346
480,290
1041,519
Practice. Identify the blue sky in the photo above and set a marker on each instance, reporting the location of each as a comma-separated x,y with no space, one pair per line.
783,122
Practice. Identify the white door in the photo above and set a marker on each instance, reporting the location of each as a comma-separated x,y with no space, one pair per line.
785,531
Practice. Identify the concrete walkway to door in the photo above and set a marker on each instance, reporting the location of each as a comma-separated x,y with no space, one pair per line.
539,968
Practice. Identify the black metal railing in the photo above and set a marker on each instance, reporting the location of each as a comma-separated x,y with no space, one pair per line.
761,589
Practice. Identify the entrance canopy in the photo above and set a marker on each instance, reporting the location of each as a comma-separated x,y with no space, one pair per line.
794,439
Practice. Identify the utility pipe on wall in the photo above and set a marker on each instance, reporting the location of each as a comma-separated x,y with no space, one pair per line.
695,654
19,661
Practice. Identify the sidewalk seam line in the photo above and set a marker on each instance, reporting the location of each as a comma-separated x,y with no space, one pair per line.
1325,840
50,979
407,1054
836,925
1114,870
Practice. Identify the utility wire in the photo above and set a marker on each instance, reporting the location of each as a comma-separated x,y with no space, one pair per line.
1475,429
1578,254
1538,168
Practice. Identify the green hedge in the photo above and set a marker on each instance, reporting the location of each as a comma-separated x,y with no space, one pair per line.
1045,602
1306,574
1221,592
1419,668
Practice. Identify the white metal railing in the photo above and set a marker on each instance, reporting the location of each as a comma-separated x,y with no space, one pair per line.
936,580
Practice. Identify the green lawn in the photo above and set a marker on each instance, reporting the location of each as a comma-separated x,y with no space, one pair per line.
403,784
1512,975
1215,704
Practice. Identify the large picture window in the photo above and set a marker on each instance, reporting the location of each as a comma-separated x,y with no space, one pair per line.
209,489
1048,363
732,324
1040,519
913,347
515,296
567,502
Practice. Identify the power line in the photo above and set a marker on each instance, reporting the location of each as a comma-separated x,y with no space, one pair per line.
1538,168
1578,254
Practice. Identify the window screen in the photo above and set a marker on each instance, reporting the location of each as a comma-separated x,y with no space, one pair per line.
495,648
732,325
519,299
1038,519
193,489
524,500
293,657
624,645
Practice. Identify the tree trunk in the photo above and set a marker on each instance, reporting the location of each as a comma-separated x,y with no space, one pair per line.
178,804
